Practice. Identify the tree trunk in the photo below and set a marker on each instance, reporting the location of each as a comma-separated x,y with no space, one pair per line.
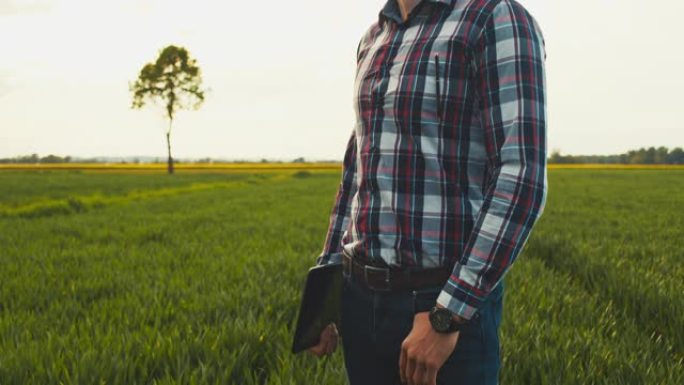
168,146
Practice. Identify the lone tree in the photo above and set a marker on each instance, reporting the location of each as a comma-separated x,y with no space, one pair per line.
175,80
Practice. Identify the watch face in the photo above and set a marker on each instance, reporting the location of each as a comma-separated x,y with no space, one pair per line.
440,319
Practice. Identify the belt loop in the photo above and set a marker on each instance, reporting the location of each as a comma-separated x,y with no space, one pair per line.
347,268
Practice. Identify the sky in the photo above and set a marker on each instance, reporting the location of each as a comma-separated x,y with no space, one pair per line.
280,76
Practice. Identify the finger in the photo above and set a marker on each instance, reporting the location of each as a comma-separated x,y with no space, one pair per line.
402,366
327,331
431,376
410,368
419,374
332,347
333,343
332,338
315,350
319,348
325,340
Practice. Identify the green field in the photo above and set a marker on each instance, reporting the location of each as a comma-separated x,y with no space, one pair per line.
116,278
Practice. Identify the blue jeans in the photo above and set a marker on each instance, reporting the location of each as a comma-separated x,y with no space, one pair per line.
375,323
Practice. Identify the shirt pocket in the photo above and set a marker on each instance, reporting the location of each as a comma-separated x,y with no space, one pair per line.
368,88
455,74
433,86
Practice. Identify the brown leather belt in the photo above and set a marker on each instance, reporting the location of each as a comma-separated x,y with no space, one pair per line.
386,279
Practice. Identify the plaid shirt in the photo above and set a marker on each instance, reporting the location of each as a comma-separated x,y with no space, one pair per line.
446,164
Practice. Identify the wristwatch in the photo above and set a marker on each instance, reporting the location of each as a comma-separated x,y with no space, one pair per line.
442,320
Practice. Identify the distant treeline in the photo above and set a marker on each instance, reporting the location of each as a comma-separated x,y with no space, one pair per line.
650,155
36,159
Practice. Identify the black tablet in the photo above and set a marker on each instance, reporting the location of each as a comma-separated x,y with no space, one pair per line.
321,301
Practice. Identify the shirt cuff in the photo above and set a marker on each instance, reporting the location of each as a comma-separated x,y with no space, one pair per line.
459,300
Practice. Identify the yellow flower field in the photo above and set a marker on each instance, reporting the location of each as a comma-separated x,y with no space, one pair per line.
256,166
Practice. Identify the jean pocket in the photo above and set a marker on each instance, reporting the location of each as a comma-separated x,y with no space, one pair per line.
471,335
425,299
478,340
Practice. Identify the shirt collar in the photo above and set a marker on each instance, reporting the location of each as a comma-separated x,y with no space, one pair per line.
391,10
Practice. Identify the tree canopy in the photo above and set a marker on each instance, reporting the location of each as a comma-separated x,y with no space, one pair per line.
175,79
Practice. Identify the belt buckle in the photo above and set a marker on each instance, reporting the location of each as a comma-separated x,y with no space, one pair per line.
366,268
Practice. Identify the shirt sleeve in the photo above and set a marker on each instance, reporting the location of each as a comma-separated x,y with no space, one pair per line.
339,217
510,79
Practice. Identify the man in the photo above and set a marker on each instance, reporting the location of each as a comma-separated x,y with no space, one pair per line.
443,178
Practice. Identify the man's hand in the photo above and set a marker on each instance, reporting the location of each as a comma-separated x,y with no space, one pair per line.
424,351
328,342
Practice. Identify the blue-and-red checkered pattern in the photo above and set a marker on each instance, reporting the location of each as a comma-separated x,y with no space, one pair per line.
446,164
